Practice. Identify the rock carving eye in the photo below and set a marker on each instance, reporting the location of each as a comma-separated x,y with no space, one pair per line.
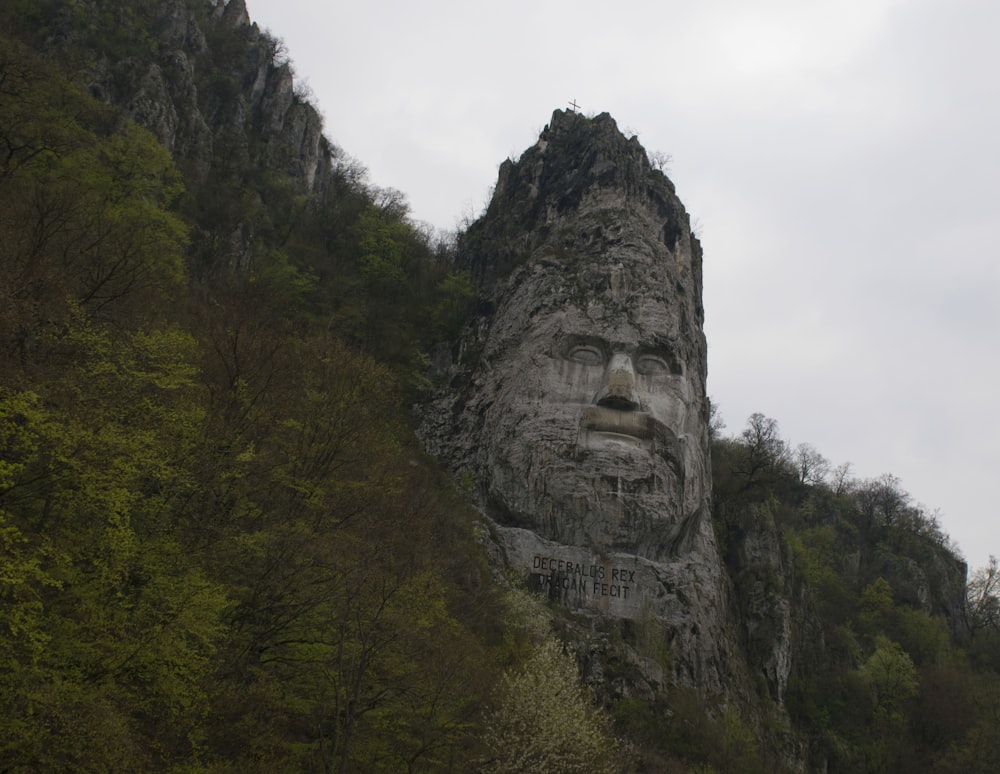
587,355
650,365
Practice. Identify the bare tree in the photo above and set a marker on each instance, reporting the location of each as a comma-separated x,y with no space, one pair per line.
660,160
882,500
716,424
392,202
811,466
765,449
840,479
982,597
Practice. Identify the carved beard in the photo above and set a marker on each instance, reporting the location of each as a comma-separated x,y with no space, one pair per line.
606,491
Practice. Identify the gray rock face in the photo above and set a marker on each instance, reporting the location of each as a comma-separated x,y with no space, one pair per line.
251,95
578,409
766,611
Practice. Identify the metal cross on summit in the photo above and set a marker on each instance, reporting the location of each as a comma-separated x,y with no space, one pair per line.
574,106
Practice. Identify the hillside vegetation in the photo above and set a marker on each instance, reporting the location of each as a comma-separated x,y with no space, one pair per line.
892,657
220,544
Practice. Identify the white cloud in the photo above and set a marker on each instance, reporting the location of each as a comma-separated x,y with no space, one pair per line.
840,158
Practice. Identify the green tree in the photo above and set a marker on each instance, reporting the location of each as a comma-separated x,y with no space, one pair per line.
87,221
128,622
891,675
454,293
891,678
977,751
876,607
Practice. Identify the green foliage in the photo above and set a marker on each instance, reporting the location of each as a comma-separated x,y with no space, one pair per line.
107,623
383,246
87,227
128,625
925,638
219,547
890,673
454,293
884,686
684,733
876,606
815,553
969,719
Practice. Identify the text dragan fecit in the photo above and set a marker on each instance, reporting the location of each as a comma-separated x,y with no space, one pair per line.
593,579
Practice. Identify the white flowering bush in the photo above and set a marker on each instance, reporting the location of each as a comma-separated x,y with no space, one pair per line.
545,720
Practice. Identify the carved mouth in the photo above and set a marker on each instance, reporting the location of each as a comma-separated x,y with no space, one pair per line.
606,420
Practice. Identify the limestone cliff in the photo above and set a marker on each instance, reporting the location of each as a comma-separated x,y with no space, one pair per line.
205,80
577,407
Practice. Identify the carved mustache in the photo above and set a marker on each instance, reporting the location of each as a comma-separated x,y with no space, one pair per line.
609,420
637,424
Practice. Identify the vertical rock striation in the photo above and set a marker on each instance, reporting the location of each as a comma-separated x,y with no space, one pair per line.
577,406
235,102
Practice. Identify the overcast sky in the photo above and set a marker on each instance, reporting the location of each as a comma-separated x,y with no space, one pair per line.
840,160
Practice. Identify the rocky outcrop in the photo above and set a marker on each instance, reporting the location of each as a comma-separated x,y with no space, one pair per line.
931,580
763,609
236,101
576,404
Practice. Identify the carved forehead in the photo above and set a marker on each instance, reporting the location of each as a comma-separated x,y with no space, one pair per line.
607,294
546,317
643,324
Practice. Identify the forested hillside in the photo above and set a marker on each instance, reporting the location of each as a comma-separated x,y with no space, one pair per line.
221,548
854,605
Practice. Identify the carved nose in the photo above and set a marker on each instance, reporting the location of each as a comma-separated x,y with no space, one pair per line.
618,391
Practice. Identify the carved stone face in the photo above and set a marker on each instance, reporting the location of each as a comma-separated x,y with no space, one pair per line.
594,437
577,409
